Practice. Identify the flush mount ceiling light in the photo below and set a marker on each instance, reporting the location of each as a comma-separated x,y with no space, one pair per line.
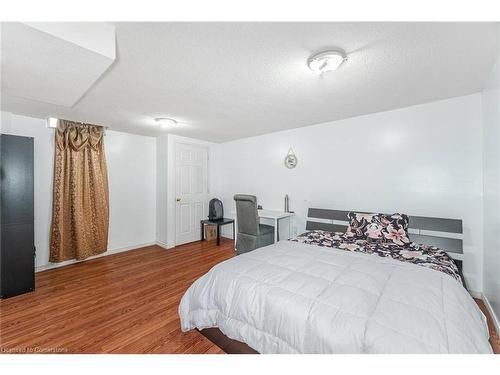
326,61
166,123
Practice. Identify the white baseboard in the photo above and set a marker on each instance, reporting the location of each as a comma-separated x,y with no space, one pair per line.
492,313
109,252
162,244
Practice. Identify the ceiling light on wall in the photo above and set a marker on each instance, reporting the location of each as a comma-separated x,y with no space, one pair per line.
166,123
52,122
326,61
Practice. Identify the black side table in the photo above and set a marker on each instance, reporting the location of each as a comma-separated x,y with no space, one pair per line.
218,223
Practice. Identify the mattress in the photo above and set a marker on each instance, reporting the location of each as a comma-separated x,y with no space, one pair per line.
293,297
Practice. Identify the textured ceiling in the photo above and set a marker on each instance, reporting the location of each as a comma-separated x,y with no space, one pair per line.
225,81
50,64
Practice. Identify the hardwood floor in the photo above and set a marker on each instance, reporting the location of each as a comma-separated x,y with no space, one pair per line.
122,303
494,338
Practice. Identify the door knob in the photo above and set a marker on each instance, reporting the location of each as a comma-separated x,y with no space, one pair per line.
178,199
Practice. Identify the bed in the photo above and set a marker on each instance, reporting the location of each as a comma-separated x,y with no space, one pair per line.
323,293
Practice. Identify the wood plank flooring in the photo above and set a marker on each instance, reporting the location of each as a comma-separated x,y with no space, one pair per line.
122,303
494,338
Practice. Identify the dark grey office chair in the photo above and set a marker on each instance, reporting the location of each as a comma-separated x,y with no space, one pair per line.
251,235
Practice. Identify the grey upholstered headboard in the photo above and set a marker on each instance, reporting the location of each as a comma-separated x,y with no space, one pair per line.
434,231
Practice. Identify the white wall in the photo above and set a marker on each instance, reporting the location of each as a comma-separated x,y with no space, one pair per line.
132,189
491,175
421,160
131,161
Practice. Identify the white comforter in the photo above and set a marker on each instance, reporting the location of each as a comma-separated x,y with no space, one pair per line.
298,298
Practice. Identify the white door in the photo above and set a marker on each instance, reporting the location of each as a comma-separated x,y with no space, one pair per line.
191,180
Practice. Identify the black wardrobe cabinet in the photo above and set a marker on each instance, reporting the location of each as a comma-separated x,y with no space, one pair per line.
17,247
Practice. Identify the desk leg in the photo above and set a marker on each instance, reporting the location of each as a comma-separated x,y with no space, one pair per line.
289,227
234,238
218,234
202,232
276,230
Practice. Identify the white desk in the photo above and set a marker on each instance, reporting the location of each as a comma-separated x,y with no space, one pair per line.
276,216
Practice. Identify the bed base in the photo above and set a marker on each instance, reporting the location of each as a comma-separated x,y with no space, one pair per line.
229,346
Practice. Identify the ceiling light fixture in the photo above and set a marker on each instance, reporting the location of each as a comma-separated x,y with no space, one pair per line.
326,61
166,123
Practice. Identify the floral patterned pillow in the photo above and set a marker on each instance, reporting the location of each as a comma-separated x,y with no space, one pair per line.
395,228
378,227
364,226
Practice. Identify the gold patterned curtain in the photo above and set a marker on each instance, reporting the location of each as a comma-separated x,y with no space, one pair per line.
80,209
